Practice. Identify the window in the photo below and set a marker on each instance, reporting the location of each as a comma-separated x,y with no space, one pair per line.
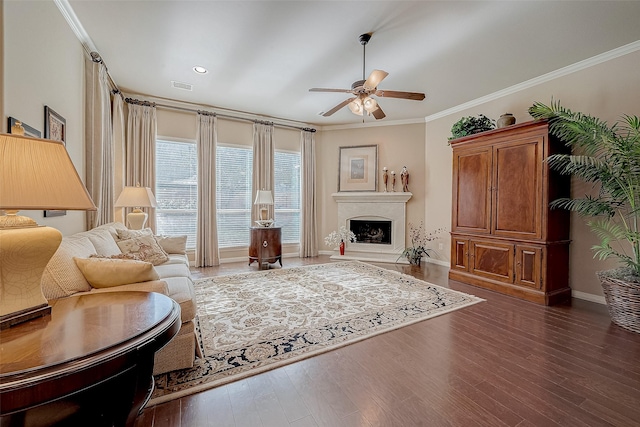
177,189
234,194
287,195
177,192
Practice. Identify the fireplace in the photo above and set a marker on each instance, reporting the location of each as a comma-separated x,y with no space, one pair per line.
370,231
378,221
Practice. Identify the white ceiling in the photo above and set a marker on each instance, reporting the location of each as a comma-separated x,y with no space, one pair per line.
263,56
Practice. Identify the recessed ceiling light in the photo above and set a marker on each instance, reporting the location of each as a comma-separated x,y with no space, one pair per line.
200,70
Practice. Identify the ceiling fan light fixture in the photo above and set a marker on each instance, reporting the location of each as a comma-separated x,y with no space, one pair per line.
356,107
370,104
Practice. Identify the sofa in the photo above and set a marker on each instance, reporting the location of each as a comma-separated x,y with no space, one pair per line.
111,258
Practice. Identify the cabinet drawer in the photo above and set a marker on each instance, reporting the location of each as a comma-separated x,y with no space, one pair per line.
492,259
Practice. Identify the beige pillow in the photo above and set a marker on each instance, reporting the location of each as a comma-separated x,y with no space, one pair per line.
146,248
130,234
173,244
106,273
62,277
111,227
104,242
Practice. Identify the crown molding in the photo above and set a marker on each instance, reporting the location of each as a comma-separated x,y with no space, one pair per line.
76,26
578,66
371,124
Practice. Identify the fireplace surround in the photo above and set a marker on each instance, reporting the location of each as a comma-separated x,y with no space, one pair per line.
374,208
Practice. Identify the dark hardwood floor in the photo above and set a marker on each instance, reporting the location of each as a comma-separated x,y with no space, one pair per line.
503,362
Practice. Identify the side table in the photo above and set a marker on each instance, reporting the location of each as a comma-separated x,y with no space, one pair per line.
266,246
89,363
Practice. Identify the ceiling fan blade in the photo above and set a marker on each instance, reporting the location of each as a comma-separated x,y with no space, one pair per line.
319,89
337,107
415,96
374,79
378,113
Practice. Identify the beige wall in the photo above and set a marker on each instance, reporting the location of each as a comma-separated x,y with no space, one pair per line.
43,65
606,90
399,145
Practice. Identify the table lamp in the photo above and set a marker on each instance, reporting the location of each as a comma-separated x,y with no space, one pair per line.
35,174
136,197
264,198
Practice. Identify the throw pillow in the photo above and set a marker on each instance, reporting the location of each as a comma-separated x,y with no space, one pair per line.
146,248
106,273
130,234
62,277
118,256
103,242
173,244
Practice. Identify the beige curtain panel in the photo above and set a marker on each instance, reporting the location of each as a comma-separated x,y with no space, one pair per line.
141,151
308,207
207,253
118,126
263,170
99,153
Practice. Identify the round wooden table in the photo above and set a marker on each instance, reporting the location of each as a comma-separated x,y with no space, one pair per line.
89,363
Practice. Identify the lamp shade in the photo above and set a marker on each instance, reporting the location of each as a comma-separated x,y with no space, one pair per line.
39,174
263,197
34,174
136,197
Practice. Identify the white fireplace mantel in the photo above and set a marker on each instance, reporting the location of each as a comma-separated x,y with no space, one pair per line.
390,206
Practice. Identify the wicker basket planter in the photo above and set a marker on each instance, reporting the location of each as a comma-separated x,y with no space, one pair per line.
623,299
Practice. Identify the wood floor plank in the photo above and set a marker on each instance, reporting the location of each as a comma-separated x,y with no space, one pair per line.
243,406
291,402
167,415
501,362
210,408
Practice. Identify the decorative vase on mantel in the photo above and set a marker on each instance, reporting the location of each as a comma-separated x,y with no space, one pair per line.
505,120
341,247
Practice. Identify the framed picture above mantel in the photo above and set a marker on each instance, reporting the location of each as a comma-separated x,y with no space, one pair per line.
358,168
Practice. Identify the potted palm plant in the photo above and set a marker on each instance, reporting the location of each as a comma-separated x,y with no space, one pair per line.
608,157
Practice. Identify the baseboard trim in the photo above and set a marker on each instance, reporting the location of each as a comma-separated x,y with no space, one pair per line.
438,262
588,297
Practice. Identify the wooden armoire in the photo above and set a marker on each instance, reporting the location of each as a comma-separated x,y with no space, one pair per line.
504,236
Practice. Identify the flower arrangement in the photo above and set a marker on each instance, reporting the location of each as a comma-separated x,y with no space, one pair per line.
342,235
419,239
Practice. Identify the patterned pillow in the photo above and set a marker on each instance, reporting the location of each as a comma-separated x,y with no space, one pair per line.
130,234
146,248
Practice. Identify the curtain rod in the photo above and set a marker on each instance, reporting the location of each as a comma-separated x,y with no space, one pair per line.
226,116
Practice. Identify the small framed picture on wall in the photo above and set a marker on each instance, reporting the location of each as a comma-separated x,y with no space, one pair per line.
55,126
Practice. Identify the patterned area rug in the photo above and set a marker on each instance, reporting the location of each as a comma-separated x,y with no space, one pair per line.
253,322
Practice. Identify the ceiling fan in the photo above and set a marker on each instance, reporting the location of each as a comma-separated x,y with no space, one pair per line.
363,90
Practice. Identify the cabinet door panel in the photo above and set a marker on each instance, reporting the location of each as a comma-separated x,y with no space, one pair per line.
517,192
528,266
471,184
460,254
492,259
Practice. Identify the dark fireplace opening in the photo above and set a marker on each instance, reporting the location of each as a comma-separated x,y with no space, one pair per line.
376,232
